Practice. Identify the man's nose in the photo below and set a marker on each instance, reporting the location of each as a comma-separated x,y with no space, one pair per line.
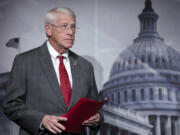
69,30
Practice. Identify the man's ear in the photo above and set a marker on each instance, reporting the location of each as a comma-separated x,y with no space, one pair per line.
48,29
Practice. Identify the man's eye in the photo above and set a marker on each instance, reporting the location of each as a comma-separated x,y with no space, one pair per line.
63,26
73,26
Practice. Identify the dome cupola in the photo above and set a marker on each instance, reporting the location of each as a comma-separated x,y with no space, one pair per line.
148,19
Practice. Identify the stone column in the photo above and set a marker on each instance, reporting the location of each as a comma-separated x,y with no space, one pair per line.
156,92
173,95
128,133
146,94
176,127
98,133
108,130
118,132
14,129
168,126
158,126
178,124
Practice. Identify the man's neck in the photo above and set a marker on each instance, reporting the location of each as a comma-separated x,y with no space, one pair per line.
57,47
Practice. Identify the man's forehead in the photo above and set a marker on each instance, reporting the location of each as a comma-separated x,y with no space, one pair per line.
63,15
65,18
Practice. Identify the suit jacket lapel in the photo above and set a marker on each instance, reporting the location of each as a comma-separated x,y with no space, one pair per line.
75,78
47,65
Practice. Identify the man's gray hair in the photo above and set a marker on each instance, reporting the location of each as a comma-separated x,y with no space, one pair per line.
50,17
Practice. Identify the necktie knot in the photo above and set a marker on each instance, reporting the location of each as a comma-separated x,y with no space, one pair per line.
61,58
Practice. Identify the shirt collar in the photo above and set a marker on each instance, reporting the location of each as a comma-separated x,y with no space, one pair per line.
54,53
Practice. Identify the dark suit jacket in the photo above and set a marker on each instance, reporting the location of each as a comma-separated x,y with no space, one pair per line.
33,89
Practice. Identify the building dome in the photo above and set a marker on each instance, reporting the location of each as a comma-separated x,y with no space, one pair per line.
148,54
146,76
148,51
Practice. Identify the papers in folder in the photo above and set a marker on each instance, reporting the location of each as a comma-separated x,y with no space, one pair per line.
80,112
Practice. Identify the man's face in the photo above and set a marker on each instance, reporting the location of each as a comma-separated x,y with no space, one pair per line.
62,32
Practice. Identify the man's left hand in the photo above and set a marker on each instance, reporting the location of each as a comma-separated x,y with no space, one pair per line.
93,121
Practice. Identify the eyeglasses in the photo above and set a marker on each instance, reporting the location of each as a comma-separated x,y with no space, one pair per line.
65,27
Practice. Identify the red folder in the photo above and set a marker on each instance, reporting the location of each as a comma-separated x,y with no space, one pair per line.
80,112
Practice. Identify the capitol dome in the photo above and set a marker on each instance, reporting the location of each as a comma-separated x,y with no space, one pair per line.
146,77
147,53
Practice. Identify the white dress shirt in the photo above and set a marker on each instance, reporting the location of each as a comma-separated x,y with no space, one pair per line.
55,60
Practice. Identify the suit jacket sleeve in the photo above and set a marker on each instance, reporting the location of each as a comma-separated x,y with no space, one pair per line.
14,103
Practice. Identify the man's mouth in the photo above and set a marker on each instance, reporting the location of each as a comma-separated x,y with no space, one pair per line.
69,39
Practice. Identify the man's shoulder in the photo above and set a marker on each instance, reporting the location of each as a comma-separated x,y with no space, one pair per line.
33,52
29,52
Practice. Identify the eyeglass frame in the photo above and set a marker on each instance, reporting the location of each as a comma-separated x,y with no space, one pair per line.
62,27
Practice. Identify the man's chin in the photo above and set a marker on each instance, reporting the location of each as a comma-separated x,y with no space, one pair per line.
69,46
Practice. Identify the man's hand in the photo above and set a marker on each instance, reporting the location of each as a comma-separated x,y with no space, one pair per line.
93,121
52,123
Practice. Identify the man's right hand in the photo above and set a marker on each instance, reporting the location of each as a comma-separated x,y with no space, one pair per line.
52,123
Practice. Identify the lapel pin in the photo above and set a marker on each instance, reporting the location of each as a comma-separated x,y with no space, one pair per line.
75,63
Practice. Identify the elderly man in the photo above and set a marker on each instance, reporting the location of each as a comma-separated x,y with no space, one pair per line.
47,81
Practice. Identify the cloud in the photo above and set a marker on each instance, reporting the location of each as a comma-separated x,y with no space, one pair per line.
170,43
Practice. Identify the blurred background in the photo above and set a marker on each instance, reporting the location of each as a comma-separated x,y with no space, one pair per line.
106,29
